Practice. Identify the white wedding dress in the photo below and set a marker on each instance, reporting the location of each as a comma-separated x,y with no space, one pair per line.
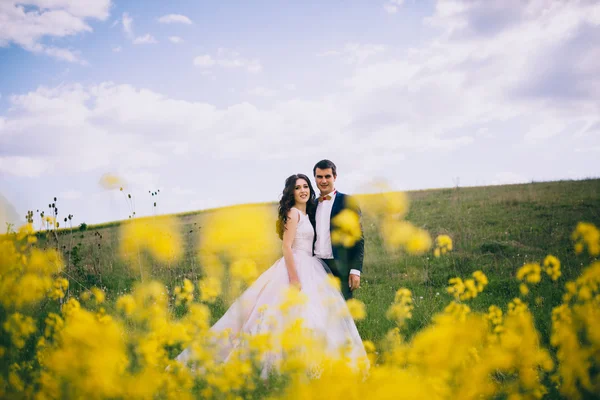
258,309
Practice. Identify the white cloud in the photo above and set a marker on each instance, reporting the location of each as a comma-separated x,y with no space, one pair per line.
462,104
63,54
174,18
70,195
27,23
594,149
262,92
289,86
204,61
393,6
356,53
24,167
175,39
117,49
146,39
127,22
228,59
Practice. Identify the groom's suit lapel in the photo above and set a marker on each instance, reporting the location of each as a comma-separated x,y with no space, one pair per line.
338,205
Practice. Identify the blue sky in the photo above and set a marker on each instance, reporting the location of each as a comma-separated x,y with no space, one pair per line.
217,102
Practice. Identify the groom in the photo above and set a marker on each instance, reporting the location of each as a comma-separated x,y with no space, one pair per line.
343,263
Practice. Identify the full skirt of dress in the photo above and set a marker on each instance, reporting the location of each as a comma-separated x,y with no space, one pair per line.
262,309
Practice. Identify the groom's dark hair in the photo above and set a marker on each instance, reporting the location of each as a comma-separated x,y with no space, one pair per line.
324,164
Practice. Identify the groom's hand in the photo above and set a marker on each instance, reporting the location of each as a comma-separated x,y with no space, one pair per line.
354,281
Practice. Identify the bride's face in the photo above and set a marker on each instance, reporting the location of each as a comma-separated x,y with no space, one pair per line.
301,191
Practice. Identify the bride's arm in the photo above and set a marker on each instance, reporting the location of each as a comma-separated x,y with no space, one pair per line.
288,238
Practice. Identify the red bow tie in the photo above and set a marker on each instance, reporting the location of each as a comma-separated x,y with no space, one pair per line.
326,197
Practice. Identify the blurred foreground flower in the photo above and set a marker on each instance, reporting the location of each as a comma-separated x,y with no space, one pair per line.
159,236
27,274
346,228
234,237
587,235
110,181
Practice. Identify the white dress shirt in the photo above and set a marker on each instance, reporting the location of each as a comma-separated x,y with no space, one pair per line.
323,247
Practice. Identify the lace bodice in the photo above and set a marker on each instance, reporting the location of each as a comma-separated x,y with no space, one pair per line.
303,241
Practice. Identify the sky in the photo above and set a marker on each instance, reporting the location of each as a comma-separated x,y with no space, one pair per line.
217,102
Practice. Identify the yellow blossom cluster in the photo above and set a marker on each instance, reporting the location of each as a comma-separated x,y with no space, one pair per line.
495,318
50,221
532,272
54,323
26,273
552,267
587,235
575,334
385,203
210,289
19,327
346,228
443,244
457,311
235,234
469,288
388,208
357,309
95,294
185,293
517,307
59,288
85,352
401,308
403,234
159,236
111,181
242,273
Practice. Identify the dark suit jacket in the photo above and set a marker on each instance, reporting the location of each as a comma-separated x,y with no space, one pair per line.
352,257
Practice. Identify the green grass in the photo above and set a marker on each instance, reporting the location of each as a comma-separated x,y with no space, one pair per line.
495,229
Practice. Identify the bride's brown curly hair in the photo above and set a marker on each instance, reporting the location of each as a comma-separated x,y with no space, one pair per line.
287,202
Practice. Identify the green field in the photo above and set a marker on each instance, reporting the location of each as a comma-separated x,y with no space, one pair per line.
495,229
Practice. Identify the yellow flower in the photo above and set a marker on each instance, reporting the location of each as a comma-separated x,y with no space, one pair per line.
468,289
244,270
401,309
419,242
210,289
587,234
404,234
334,282
384,204
59,287
552,267
185,293
346,228
98,295
110,181
237,233
19,327
126,303
357,309
160,236
530,272
443,244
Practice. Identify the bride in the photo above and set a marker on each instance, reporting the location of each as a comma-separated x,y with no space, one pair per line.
261,308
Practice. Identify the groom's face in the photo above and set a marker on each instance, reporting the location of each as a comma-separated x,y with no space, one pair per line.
325,180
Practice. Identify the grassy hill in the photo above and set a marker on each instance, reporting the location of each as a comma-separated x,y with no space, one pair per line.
495,229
